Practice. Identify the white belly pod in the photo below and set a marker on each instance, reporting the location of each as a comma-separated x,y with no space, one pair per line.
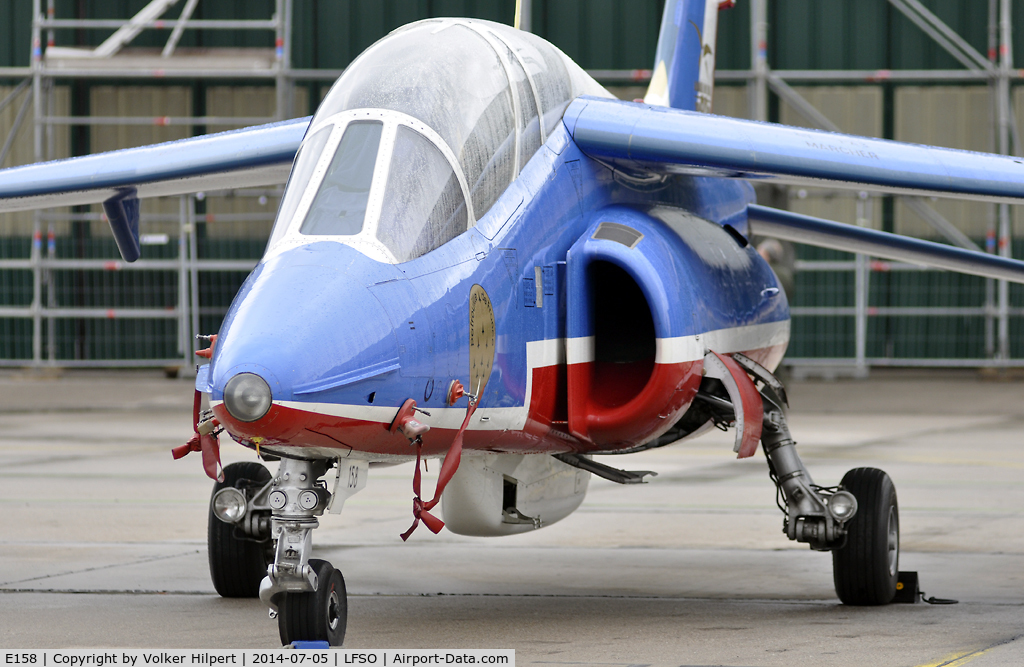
505,494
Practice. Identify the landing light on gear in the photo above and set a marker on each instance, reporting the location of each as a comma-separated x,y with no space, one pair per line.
842,505
260,540
229,505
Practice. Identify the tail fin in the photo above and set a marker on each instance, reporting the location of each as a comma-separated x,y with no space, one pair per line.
684,66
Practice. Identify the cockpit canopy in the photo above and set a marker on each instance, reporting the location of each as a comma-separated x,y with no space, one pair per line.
421,135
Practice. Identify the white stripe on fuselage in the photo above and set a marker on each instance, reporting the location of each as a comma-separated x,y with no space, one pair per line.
682,349
555,352
724,341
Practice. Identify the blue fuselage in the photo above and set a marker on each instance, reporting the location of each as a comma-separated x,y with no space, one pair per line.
343,340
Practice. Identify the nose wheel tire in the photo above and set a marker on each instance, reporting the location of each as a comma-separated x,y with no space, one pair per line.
866,568
238,562
319,616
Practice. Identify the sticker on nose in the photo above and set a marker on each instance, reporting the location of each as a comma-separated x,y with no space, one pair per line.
481,339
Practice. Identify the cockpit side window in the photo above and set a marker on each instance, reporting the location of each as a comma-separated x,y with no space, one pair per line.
340,203
302,170
423,205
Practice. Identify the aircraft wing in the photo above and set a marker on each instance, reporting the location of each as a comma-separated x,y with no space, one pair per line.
646,138
251,157
666,140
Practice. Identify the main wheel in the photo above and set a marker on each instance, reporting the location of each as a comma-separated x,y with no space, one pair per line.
865,570
238,562
319,616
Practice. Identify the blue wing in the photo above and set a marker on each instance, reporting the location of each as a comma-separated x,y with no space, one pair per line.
251,157
642,138
674,141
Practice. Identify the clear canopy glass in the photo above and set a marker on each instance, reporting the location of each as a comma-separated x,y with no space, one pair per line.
340,203
492,95
420,180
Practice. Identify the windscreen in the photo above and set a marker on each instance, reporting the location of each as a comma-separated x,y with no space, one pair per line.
340,203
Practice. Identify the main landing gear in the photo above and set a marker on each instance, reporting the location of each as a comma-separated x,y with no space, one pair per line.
260,540
858,521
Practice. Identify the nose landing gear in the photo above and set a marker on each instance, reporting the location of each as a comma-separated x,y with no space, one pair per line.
307,596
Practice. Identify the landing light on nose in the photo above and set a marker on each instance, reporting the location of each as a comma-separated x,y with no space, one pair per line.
247,397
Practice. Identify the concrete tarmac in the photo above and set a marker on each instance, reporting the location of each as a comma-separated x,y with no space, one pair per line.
102,539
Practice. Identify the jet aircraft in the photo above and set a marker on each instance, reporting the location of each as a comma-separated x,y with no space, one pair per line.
480,255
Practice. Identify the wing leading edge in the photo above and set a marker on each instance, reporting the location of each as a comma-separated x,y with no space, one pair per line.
661,140
250,157
838,236
638,136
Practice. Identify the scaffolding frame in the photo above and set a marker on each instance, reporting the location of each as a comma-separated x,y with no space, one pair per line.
996,70
40,79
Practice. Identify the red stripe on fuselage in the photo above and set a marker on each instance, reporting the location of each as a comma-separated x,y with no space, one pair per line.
616,406
546,428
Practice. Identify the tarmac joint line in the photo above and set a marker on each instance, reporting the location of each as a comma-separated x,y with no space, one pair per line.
960,658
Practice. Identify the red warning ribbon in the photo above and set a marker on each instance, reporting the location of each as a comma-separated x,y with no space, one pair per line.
420,509
207,444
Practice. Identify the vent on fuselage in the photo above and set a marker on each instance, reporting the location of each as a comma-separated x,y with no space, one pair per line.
613,231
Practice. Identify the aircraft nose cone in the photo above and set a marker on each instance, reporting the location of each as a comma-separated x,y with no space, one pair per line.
302,320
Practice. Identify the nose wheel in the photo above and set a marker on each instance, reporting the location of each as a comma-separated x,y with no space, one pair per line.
321,615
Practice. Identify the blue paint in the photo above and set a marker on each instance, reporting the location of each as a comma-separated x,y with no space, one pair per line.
264,145
679,47
825,233
123,215
659,139
328,322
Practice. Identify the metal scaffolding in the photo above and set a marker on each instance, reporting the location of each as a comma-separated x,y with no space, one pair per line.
109,60
997,70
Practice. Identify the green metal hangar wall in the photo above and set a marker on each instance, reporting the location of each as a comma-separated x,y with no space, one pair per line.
866,66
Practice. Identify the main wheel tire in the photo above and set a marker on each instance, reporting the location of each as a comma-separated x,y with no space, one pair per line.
865,570
237,565
319,616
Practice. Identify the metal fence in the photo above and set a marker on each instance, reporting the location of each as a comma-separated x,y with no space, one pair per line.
852,312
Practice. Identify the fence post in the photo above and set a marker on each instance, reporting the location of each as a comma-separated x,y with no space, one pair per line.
193,255
861,294
184,331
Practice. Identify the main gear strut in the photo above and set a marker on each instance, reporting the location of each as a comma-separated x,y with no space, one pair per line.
815,515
